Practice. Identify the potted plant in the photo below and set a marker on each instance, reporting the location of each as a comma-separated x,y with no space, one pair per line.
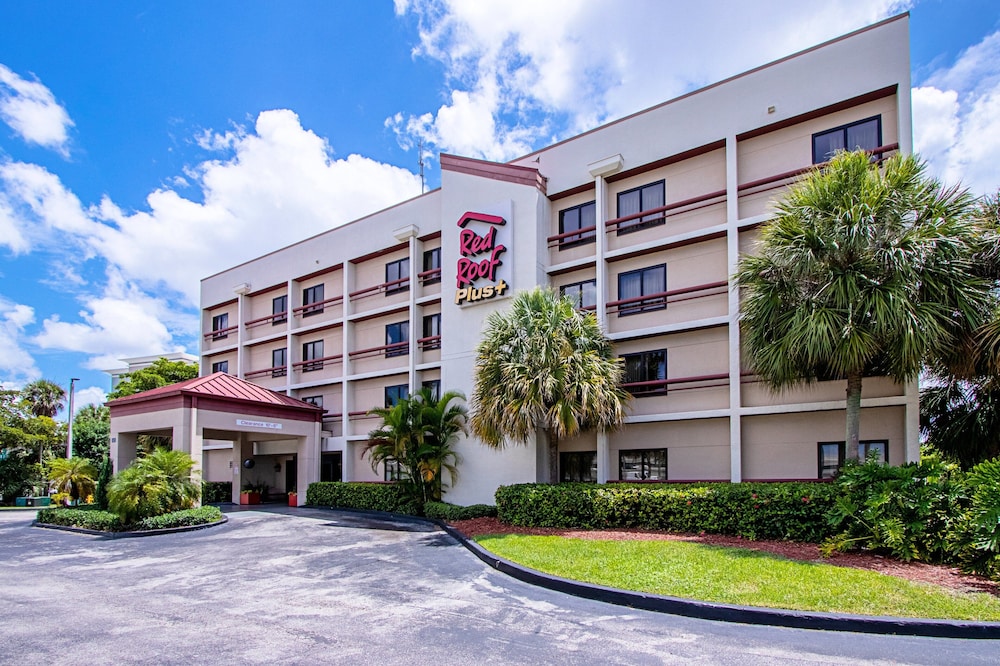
250,494
293,498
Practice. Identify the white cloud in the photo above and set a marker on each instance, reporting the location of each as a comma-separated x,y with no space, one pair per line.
956,118
92,395
581,63
32,111
17,366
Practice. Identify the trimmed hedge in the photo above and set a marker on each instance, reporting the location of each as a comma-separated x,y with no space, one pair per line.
216,492
105,521
793,511
375,496
449,512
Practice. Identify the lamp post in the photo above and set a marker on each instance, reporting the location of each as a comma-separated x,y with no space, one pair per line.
69,418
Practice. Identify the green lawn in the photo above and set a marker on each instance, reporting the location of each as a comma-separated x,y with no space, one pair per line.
738,576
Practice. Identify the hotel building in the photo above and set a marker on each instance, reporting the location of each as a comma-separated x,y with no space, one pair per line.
641,221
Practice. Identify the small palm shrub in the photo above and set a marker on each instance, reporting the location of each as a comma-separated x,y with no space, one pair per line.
157,483
73,478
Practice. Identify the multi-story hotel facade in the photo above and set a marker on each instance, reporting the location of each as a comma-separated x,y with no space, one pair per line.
643,221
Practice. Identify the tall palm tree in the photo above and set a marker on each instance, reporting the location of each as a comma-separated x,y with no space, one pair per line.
44,398
866,269
544,365
74,476
397,439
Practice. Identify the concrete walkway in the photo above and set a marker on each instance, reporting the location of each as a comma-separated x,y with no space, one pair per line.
291,586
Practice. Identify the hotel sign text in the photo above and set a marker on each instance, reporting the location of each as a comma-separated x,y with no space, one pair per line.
481,259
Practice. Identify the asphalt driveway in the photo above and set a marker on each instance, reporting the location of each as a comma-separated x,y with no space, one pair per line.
291,586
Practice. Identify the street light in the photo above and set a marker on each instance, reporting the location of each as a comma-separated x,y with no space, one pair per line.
69,419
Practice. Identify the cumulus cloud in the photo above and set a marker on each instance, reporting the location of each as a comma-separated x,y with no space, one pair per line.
31,110
956,117
579,64
92,395
16,364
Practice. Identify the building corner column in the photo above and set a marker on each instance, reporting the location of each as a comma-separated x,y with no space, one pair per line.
732,264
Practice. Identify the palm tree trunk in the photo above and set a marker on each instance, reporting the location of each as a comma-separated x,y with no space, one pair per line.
853,415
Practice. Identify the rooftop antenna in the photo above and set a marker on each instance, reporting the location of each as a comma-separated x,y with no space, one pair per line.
420,161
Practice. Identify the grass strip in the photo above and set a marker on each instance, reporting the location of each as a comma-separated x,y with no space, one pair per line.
739,576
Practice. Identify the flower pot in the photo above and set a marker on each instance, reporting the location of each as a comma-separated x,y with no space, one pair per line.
249,498
293,499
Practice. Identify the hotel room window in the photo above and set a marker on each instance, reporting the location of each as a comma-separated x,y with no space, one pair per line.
394,272
574,219
647,366
432,328
279,357
432,261
279,310
220,366
638,200
220,323
864,134
396,334
642,465
583,294
435,387
651,281
580,466
394,394
312,300
312,351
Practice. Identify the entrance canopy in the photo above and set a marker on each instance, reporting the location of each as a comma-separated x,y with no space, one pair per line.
224,407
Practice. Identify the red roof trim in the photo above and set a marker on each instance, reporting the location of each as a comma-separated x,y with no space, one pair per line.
469,216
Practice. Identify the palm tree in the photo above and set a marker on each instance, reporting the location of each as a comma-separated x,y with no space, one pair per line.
961,418
44,398
544,365
419,433
866,269
157,483
73,476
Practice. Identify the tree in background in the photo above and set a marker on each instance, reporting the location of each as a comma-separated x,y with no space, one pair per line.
44,398
161,373
866,269
26,441
545,365
72,476
92,432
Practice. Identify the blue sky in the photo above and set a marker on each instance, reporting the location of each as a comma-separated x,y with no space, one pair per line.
139,140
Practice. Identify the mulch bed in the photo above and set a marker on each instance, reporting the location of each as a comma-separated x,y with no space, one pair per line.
936,574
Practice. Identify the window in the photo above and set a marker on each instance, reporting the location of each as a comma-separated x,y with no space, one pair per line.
314,400
650,282
312,351
832,454
648,366
394,394
583,294
635,201
312,296
642,465
864,134
394,271
574,219
220,366
396,334
432,328
435,386
279,357
220,323
394,471
578,466
279,310
432,261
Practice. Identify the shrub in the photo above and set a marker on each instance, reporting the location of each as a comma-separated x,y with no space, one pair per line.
907,511
104,474
89,519
390,497
794,511
184,518
450,512
159,482
214,492
975,541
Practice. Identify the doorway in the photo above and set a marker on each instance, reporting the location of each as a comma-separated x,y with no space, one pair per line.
332,467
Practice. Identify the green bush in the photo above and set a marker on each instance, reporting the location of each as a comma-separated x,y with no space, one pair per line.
390,497
185,518
450,512
907,511
157,483
86,518
92,518
215,492
792,511
975,541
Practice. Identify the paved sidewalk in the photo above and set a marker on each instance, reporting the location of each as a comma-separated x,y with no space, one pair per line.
289,586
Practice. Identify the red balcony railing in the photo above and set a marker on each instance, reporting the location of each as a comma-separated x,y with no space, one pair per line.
654,301
220,333
277,318
385,287
430,342
401,349
318,306
316,363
